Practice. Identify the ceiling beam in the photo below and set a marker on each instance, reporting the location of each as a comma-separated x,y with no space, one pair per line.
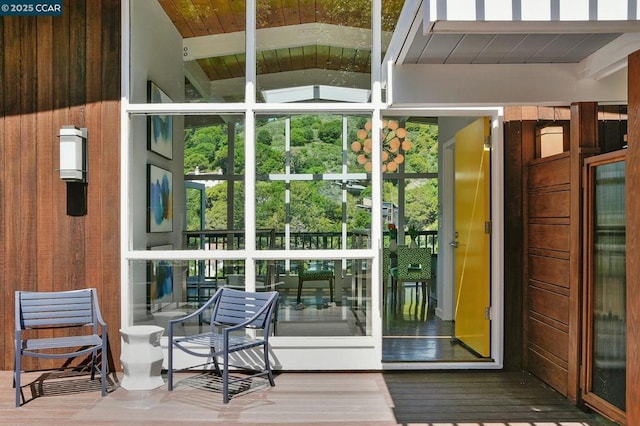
503,84
278,38
611,58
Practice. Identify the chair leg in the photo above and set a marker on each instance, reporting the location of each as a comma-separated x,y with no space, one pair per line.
16,376
267,365
331,288
225,378
104,355
93,364
300,280
216,364
170,363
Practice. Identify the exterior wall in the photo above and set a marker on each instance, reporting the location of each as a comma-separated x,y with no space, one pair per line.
59,71
633,244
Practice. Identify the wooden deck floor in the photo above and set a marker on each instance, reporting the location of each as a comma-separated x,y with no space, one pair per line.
371,398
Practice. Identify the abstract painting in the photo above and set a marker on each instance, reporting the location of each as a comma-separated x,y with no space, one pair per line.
160,278
159,199
160,127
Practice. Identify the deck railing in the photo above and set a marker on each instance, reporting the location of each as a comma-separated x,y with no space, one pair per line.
271,240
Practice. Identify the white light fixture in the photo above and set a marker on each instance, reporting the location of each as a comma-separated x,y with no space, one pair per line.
73,154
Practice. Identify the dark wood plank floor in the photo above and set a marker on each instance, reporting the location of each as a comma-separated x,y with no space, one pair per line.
367,398
481,397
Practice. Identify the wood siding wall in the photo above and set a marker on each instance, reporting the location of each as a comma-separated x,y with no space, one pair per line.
548,264
633,243
59,71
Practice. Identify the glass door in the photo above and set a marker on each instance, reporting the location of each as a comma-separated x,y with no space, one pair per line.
604,363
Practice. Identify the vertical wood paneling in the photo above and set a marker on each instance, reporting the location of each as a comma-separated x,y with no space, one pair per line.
633,243
513,245
11,193
583,140
46,153
5,312
110,179
59,71
548,205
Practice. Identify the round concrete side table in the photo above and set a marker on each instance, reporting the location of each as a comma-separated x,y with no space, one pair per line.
141,357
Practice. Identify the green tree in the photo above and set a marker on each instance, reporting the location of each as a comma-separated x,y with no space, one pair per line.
331,132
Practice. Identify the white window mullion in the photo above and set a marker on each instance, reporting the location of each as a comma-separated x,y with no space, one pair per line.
287,190
250,147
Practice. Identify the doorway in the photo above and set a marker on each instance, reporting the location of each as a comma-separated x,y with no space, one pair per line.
421,327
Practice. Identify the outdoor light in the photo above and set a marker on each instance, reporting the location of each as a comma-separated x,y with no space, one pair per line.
73,154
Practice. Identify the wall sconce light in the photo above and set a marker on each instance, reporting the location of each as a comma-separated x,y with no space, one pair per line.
73,154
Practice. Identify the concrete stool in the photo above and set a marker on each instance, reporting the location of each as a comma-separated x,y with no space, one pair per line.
162,320
142,357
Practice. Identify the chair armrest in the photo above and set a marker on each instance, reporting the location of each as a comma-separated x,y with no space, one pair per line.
197,312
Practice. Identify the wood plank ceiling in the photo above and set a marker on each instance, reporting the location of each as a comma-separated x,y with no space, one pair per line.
205,18
302,42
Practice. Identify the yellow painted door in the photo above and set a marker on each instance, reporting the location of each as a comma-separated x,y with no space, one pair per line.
473,224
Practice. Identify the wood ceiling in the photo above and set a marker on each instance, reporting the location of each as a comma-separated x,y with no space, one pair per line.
205,18
340,53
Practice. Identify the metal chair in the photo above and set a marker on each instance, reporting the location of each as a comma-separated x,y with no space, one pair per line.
236,318
75,309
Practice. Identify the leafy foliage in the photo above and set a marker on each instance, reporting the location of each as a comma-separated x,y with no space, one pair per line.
316,148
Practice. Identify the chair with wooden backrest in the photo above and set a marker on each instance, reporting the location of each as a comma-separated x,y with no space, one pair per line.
76,310
237,317
414,265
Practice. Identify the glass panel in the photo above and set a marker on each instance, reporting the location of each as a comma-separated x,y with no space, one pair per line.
420,146
609,285
421,213
165,289
390,13
307,192
194,51
214,159
307,308
315,51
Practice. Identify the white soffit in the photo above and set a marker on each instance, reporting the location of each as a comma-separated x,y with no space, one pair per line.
501,84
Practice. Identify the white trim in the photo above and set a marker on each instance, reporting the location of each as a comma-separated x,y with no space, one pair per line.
497,237
531,27
330,353
611,58
125,128
528,10
446,173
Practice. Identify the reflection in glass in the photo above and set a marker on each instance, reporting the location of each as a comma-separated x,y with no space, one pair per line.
314,306
319,52
214,176
308,191
609,287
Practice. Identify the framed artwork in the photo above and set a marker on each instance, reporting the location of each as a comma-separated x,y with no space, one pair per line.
159,127
159,279
159,199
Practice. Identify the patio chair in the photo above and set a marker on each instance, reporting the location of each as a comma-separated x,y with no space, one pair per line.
240,320
414,265
76,310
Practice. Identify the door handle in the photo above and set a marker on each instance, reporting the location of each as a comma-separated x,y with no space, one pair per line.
454,243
